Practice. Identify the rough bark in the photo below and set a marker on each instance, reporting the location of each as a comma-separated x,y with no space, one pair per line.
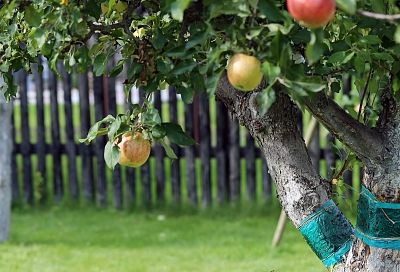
300,189
365,141
383,180
5,167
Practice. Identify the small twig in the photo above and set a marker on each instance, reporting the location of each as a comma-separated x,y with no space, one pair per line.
127,19
379,16
342,169
105,29
366,104
363,94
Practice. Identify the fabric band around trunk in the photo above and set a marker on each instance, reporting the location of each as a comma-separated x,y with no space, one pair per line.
328,233
378,223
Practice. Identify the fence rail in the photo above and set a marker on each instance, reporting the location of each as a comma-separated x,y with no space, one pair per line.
50,165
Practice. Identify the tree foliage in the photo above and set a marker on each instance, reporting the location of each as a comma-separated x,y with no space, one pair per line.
187,43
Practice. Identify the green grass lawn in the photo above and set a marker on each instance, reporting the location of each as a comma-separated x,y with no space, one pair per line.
85,239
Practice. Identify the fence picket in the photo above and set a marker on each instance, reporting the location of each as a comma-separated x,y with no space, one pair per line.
130,175
266,180
221,152
234,160
314,149
85,150
40,128
25,144
112,109
190,158
98,90
145,169
250,167
159,157
175,172
55,138
69,132
329,156
205,144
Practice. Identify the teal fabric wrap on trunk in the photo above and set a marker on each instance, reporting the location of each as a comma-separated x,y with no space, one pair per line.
378,223
328,233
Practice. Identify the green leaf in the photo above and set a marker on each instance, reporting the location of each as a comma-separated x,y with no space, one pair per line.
9,87
397,34
382,56
178,7
99,64
315,48
269,9
134,69
371,39
314,52
97,130
265,99
93,8
40,37
159,40
158,132
359,63
111,4
32,16
168,150
117,69
341,57
151,117
113,128
299,89
186,94
164,66
184,67
176,135
111,155
212,82
378,6
310,87
270,71
196,39
349,6
178,52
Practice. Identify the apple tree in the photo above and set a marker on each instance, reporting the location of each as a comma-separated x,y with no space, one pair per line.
304,50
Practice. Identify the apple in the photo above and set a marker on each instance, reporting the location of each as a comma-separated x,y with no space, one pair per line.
312,13
244,72
134,149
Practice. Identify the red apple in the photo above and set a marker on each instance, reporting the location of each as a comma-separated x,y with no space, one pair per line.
312,13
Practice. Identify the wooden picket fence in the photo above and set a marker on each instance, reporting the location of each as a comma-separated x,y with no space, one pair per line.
50,165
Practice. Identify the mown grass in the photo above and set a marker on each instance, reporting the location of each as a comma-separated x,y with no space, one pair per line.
223,239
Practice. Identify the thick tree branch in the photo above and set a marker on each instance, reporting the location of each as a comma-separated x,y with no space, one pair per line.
300,189
379,16
364,141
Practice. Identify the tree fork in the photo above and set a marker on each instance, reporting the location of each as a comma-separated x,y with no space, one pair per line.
300,189
366,142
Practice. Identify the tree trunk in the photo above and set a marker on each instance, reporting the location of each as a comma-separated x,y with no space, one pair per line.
383,180
5,167
300,189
